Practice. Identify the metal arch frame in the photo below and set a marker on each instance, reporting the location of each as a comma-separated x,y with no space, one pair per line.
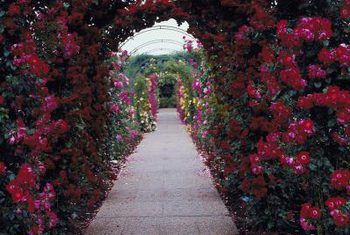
156,42
171,50
157,27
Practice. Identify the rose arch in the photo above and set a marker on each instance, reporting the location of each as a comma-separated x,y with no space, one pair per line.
279,129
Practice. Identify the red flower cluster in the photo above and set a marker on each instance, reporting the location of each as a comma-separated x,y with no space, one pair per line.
253,92
314,29
334,98
345,10
341,54
70,46
303,158
308,29
334,203
340,218
307,214
20,187
280,111
299,131
316,71
242,34
2,168
37,67
14,9
298,164
291,75
340,179
326,56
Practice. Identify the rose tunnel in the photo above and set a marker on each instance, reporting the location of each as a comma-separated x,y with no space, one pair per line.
276,136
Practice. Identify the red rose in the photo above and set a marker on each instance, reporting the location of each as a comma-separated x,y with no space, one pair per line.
340,219
14,9
340,179
335,202
2,168
303,158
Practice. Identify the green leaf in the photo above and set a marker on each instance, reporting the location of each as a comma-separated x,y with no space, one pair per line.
318,84
312,166
6,53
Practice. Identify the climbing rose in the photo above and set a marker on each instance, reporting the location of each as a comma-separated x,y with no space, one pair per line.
292,78
335,203
19,188
14,9
306,225
340,179
299,131
315,71
309,212
340,218
50,104
345,10
267,55
314,28
2,168
303,158
326,56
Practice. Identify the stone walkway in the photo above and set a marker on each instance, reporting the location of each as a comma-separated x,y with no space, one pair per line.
164,189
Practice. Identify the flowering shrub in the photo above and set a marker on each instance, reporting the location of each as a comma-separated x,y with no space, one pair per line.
275,126
124,130
146,101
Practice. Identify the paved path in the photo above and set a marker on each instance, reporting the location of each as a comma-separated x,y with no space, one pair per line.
165,189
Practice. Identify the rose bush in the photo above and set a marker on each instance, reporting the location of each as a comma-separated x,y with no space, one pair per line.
275,128
146,101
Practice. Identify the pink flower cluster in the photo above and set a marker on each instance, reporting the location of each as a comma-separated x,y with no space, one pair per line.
308,29
316,71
